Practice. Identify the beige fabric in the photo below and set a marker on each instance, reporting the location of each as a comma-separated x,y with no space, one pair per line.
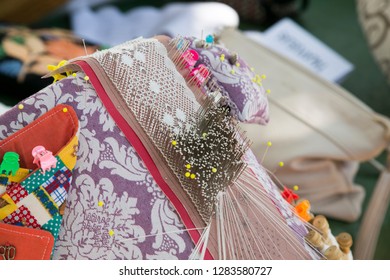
318,130
373,218
374,16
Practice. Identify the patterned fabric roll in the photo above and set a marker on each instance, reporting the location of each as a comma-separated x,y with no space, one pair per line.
374,16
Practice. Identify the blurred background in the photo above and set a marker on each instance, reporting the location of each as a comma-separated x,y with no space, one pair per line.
103,24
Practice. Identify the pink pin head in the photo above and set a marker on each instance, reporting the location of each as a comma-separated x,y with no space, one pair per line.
200,74
190,57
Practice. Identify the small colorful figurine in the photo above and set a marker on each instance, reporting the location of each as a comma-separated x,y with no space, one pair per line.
289,195
303,210
43,158
190,57
200,74
10,163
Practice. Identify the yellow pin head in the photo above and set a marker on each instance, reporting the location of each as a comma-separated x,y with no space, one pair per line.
281,164
174,142
188,166
187,174
269,143
193,176
295,188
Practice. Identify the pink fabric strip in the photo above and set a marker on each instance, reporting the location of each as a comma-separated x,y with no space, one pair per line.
143,153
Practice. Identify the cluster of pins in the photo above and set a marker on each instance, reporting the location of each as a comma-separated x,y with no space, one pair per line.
208,157
186,58
179,46
258,79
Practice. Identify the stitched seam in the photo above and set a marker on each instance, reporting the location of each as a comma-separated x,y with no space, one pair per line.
37,123
33,235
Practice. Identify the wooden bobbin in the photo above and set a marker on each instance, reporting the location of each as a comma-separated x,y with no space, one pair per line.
321,223
334,253
345,242
314,238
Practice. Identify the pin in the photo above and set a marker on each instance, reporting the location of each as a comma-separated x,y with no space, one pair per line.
281,164
289,195
199,75
85,47
257,79
269,144
21,107
209,39
180,46
200,44
189,59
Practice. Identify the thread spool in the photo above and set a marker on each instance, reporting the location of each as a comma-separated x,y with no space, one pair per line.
334,253
314,238
321,223
345,242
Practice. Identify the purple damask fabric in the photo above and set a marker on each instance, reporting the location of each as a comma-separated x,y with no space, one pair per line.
115,209
237,81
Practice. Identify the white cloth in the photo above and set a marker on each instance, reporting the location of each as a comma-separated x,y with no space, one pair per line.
110,26
3,108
